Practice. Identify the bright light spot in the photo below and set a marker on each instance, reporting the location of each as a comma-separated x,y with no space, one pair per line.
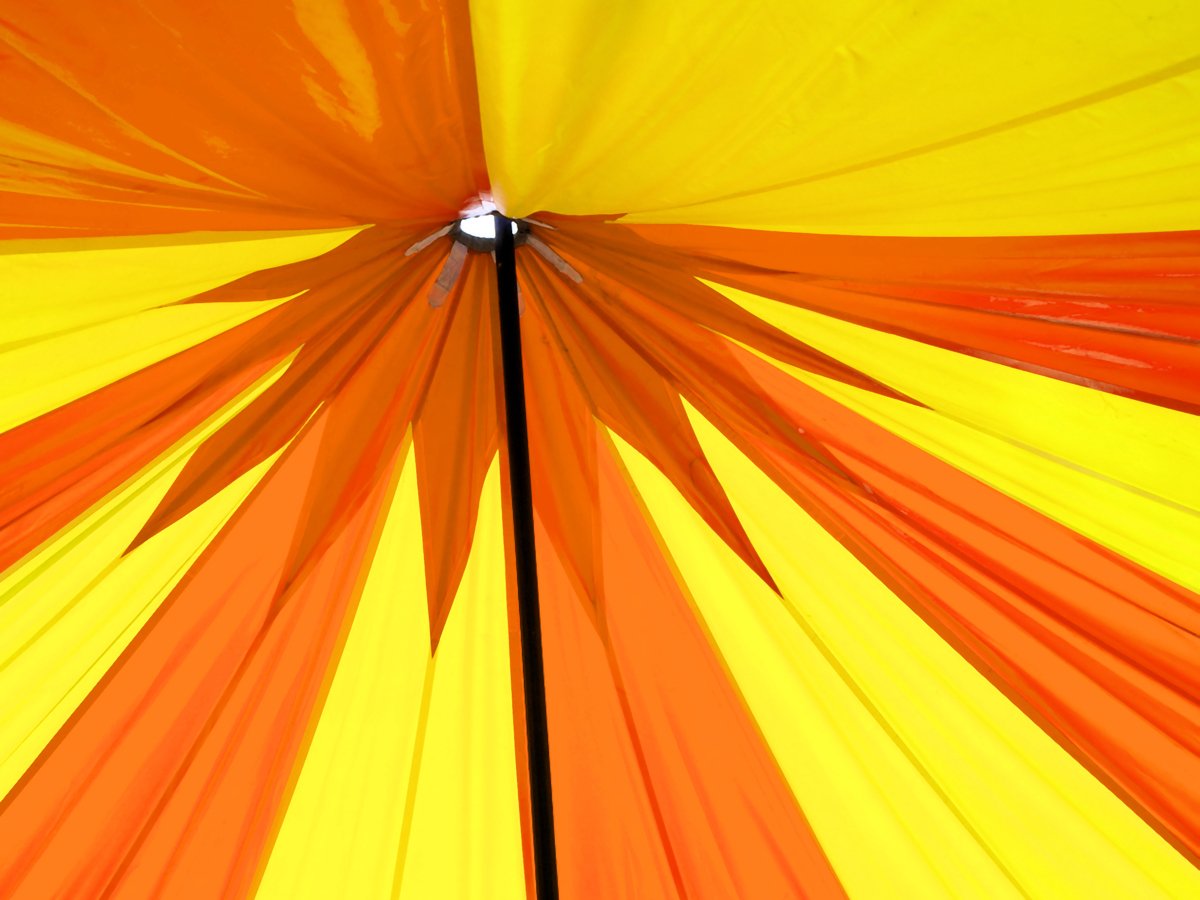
482,227
480,206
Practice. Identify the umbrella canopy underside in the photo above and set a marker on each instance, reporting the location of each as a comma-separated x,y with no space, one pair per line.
862,373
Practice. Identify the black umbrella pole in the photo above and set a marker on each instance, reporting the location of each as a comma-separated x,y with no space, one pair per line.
533,673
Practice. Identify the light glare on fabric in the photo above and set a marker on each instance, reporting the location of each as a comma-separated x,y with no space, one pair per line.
482,226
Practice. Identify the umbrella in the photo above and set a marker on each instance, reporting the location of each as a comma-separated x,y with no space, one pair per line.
611,450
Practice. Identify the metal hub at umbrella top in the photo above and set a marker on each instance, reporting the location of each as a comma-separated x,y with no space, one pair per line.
479,233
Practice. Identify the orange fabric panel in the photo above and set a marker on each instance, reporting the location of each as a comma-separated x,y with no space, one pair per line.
72,821
609,833
1115,312
734,827
369,341
603,343
1100,651
636,338
716,813
371,415
648,281
296,116
205,839
353,331
326,360
562,446
59,464
456,436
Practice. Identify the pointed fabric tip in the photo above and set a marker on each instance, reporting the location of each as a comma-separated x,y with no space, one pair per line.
59,465
372,411
456,437
647,346
621,388
1110,312
658,289
449,513
336,334
562,449
363,249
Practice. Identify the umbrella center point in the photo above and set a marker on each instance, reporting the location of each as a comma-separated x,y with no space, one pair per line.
479,232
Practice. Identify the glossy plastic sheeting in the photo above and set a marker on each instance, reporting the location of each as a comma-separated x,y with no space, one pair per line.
846,116
362,360
857,697
691,787
409,788
1118,312
835,534
997,588
68,611
79,315
1120,472
244,116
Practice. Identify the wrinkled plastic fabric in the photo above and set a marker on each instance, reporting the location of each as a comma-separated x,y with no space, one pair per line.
862,397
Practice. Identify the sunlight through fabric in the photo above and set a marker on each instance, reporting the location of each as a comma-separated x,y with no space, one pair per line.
69,610
78,317
848,130
883,709
344,828
463,834
1125,474
489,449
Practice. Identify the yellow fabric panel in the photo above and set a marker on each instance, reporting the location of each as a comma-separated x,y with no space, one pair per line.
76,315
51,286
1157,535
69,609
894,745
464,839
849,116
1122,472
44,375
344,824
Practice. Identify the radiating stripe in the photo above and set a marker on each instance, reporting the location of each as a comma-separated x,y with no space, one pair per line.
204,837
1124,473
74,822
70,609
919,777
465,838
41,377
846,116
730,822
48,287
342,830
611,840
81,314
78,613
